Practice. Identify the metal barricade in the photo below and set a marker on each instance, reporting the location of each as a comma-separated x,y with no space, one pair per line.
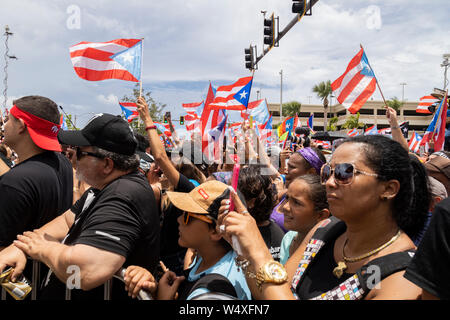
107,287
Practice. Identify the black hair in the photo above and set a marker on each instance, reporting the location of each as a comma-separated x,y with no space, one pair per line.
41,107
390,161
255,185
142,141
317,191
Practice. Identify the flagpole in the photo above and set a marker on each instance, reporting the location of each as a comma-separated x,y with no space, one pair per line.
378,85
142,63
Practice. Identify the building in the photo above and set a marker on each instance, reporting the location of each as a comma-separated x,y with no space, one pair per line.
372,113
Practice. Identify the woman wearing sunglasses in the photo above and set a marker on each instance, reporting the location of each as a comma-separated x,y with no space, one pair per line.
378,200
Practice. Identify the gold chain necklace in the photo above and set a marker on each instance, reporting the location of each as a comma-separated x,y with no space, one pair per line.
339,270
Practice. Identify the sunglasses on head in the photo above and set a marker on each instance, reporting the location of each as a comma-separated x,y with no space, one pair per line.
196,216
81,154
343,173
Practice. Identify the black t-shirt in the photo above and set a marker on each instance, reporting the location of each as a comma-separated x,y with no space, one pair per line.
33,193
121,218
171,252
429,269
272,235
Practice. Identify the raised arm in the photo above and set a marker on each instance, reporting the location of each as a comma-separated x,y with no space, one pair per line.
157,148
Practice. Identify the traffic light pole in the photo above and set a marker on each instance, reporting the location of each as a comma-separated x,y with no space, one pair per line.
283,32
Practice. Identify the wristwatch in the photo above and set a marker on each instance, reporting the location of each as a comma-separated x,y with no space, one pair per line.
271,272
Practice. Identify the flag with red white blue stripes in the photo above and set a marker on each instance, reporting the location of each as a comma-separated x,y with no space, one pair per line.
117,59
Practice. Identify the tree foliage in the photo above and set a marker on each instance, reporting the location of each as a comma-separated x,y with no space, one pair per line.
394,103
290,109
352,122
332,124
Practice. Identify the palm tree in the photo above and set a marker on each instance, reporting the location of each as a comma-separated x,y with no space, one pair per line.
290,109
395,104
332,125
352,122
323,91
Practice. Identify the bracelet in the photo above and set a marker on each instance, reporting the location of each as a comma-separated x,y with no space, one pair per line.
150,127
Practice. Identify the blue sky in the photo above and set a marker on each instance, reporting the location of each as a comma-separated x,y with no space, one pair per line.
189,43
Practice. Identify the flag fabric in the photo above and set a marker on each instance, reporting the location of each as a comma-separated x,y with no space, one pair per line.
353,132
129,110
436,129
163,128
356,85
288,125
324,144
385,131
217,135
116,59
414,142
404,127
310,121
259,111
193,108
63,123
425,103
205,118
233,97
371,130
192,122
265,131
284,136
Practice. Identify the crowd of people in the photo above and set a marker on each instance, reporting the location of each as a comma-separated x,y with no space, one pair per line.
369,220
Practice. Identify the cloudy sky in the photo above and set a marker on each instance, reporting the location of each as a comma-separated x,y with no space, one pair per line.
189,43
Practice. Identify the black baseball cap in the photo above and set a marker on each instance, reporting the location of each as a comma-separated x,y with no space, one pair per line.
105,131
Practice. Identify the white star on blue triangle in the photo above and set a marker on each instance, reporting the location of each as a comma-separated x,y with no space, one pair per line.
367,71
243,95
130,59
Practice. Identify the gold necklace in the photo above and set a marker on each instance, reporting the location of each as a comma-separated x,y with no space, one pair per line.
342,266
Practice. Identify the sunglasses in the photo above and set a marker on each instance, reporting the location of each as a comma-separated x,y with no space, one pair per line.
196,216
343,173
81,154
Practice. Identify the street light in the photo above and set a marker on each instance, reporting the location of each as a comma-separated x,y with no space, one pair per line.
403,84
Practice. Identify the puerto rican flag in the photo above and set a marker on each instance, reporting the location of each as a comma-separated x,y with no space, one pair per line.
414,142
192,119
163,128
356,85
324,144
258,110
425,103
116,59
129,109
233,97
353,133
310,122
371,130
436,129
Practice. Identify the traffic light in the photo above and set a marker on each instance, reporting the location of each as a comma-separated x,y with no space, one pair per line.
298,6
269,31
167,117
249,60
181,120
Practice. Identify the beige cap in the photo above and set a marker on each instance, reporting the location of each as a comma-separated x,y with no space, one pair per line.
204,199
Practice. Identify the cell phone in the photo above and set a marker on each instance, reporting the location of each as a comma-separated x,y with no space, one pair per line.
234,182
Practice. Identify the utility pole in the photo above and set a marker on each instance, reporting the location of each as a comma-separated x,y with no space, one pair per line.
445,64
281,96
403,84
7,57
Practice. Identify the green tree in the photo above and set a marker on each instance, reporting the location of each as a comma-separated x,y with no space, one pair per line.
323,91
352,122
332,124
69,121
395,104
155,108
290,109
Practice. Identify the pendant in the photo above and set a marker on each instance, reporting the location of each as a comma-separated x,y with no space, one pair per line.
339,270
